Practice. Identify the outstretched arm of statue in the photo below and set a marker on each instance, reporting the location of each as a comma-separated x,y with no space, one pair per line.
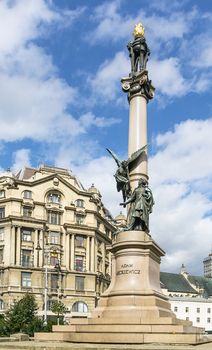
131,199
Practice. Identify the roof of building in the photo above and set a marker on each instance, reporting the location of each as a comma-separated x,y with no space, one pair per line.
203,283
176,283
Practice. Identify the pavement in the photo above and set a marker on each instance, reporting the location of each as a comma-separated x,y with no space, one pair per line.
31,345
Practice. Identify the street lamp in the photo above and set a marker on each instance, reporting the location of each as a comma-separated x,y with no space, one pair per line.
38,248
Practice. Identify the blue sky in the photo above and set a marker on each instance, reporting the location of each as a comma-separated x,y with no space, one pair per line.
61,103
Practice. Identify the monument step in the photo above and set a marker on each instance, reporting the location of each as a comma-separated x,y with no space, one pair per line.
127,328
121,338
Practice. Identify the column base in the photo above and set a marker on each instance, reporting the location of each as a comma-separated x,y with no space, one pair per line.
133,309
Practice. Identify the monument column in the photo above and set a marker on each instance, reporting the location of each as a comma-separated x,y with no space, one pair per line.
140,90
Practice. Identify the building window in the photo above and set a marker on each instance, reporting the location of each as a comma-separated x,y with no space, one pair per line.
79,263
209,310
80,283
27,194
2,193
26,257
53,258
27,211
80,203
80,241
54,281
208,320
1,256
80,219
54,237
1,233
26,279
49,304
198,310
2,213
26,235
1,304
54,218
187,309
79,306
175,309
198,320
54,198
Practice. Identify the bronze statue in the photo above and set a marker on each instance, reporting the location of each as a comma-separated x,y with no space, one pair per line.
141,206
122,173
138,50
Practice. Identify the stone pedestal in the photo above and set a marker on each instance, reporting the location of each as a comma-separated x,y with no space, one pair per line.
133,309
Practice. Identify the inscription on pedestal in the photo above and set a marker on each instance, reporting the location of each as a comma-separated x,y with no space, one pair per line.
128,270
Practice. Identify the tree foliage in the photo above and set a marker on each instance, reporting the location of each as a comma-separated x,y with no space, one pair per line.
21,317
58,308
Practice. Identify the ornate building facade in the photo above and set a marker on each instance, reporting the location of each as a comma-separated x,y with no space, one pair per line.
53,238
207,263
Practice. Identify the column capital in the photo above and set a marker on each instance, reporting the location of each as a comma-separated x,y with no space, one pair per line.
138,85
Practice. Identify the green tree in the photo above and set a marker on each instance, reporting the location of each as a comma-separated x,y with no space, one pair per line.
21,317
59,309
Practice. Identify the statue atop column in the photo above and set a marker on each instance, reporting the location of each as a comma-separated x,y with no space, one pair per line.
138,50
138,81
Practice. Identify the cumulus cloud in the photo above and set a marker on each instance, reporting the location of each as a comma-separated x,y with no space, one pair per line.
181,177
21,159
105,84
168,78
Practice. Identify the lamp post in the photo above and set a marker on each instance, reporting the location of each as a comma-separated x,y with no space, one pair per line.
45,282
58,269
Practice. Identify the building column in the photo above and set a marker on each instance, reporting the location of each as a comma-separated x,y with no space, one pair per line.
92,254
103,258
41,252
18,246
88,254
12,245
72,251
35,250
67,250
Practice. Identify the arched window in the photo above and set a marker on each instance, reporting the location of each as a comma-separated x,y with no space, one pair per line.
54,198
79,203
1,304
79,306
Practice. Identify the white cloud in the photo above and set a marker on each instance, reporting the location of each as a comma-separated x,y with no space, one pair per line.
167,77
181,174
106,83
113,25
21,159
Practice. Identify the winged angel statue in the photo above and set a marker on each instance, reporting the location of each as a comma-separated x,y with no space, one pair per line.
122,173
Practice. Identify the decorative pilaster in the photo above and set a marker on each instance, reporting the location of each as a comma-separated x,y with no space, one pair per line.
92,254
67,251
12,245
88,254
18,246
72,251
35,250
41,251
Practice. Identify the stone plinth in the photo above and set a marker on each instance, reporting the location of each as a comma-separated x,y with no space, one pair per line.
133,309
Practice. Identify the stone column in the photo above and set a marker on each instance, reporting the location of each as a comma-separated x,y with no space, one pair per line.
92,254
12,245
18,246
72,251
41,252
35,250
67,251
88,254
103,258
138,136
